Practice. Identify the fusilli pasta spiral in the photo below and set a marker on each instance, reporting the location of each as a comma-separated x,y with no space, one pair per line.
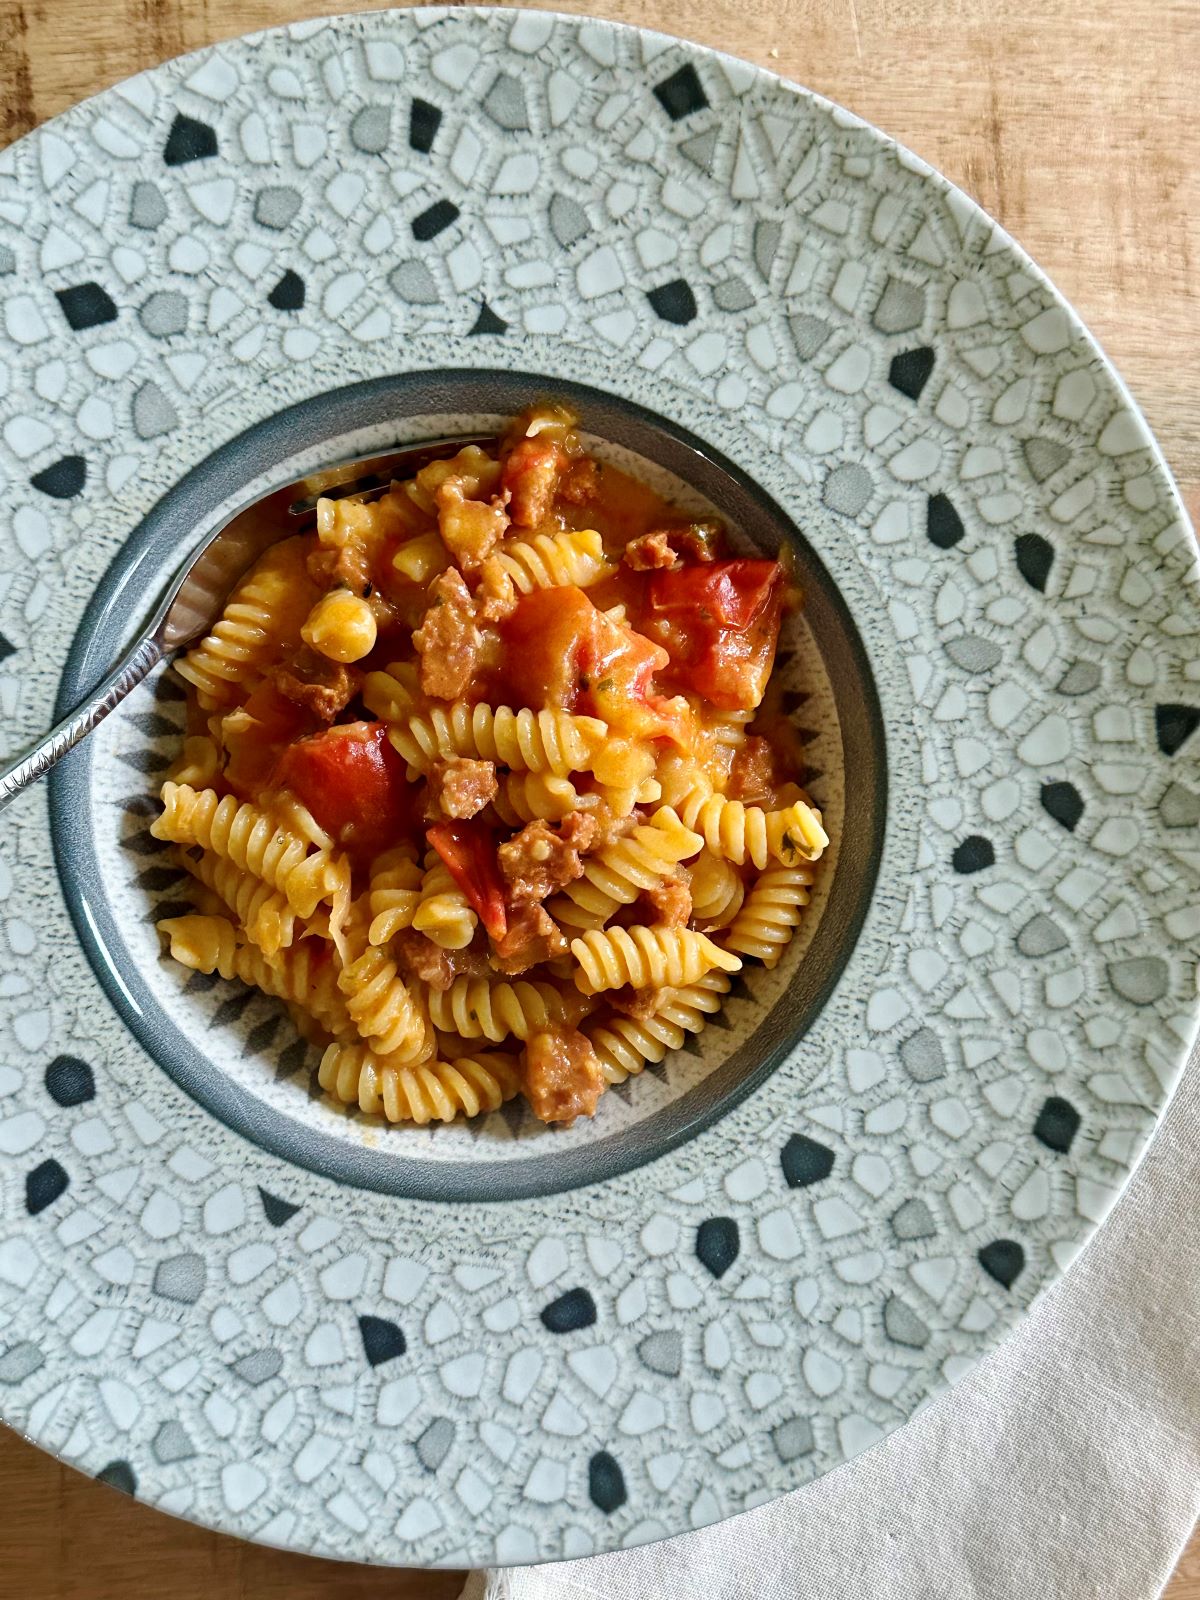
421,1092
624,1045
304,975
263,912
618,873
394,894
646,958
199,763
248,837
476,1008
442,913
717,891
527,741
526,796
740,833
771,912
548,560
383,1010
266,609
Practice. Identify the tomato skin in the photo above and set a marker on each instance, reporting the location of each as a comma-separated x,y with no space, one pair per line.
353,782
469,850
542,642
720,623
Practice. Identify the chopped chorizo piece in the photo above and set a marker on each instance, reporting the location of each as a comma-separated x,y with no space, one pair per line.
753,774
580,830
460,787
470,529
671,547
532,936
636,1003
531,475
423,959
650,551
541,859
561,1076
448,640
582,482
668,904
321,686
495,593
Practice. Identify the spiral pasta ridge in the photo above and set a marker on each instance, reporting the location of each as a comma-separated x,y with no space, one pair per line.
549,560
743,833
527,741
421,1092
476,1008
394,893
266,608
380,1006
269,921
442,913
616,875
305,975
645,958
624,1045
243,834
770,915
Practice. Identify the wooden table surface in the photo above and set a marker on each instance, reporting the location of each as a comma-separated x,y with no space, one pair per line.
1072,121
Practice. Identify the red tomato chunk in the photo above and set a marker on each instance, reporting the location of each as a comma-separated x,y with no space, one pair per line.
469,851
720,623
353,782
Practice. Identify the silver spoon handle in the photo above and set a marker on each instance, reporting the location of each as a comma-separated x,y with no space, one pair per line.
106,696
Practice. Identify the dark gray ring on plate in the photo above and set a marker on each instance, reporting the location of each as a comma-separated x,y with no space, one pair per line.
122,594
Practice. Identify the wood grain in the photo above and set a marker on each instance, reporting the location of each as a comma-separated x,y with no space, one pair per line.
1073,124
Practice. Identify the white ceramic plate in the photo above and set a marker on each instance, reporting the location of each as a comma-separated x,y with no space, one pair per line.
502,1343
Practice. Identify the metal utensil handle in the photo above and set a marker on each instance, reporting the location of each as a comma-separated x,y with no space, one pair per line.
107,695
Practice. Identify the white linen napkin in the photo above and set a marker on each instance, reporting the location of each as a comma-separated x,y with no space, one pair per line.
1066,1464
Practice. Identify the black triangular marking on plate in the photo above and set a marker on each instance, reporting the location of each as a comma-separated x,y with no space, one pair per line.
487,321
424,120
189,140
1063,802
86,305
118,1475
383,1340
289,293
682,93
1057,1124
63,479
909,371
1035,557
673,302
1174,724
943,525
1003,1260
276,1211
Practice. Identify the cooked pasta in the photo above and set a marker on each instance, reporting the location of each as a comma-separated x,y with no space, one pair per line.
625,1044
421,1092
199,764
770,914
395,893
742,833
442,913
305,975
527,741
481,759
549,560
717,891
646,958
264,612
268,920
617,874
476,1008
382,1009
